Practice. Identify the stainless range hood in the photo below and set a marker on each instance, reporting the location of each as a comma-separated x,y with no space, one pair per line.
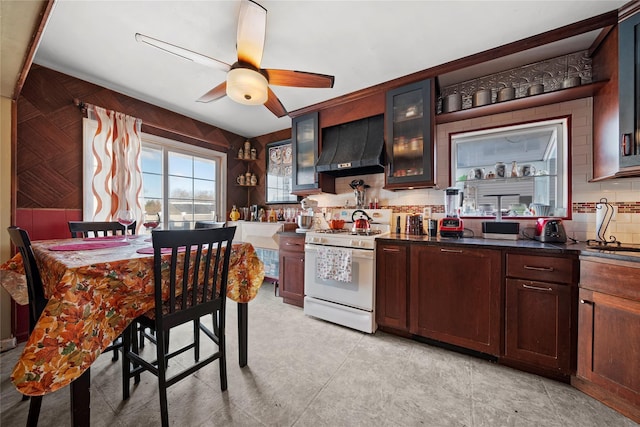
354,148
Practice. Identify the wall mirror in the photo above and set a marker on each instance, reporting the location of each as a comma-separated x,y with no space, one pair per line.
524,168
279,173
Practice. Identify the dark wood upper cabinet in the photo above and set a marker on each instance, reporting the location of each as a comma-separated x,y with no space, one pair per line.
629,83
305,136
409,120
616,109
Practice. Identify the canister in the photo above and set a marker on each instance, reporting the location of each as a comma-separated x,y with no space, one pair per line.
506,94
481,97
451,103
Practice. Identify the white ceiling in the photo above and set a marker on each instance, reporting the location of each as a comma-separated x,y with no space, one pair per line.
362,43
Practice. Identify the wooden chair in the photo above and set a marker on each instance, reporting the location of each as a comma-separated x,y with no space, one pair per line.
37,300
98,228
209,224
202,291
101,229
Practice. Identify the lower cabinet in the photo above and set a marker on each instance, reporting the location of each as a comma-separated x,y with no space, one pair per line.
391,286
609,334
455,296
291,277
540,326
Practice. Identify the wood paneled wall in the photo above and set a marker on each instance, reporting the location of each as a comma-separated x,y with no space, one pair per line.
49,135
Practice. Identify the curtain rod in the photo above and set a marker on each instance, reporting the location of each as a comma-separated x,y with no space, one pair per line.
81,106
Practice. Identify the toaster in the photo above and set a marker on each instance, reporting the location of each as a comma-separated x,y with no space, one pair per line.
550,230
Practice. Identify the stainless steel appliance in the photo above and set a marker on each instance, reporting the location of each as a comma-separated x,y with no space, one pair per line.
550,230
344,297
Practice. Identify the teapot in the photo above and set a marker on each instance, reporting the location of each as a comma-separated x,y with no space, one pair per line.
363,223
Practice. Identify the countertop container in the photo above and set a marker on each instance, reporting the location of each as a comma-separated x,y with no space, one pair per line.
481,97
506,94
535,89
451,103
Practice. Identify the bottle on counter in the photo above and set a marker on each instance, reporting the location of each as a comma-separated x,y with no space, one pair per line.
235,214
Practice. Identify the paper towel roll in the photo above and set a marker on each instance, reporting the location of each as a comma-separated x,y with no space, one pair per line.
604,212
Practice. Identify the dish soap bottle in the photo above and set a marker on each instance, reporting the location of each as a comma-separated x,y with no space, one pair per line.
235,214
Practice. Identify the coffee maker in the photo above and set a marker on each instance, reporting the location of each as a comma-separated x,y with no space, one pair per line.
451,225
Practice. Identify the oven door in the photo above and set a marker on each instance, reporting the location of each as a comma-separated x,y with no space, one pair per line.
359,293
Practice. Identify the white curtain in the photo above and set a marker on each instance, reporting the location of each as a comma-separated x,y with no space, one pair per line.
115,153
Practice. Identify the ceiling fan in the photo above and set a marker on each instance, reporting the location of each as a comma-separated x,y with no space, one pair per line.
246,82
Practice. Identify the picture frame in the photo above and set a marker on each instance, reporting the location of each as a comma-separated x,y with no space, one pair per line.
279,173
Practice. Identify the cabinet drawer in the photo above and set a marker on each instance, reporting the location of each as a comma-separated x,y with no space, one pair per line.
542,268
293,244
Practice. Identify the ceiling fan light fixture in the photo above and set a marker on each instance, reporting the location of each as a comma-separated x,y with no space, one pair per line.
246,86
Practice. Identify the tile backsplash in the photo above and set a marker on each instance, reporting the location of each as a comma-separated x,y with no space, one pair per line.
623,194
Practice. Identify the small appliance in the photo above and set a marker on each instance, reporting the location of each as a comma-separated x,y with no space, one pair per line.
451,225
550,230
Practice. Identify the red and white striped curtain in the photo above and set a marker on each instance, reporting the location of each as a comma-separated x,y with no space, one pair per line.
117,176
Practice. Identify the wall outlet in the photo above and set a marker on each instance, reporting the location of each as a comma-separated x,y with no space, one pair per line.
426,213
8,344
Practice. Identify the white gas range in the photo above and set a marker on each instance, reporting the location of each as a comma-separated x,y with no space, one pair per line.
339,271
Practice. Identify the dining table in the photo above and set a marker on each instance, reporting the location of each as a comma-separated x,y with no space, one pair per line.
95,288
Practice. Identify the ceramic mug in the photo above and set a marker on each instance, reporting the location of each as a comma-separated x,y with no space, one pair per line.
501,170
527,170
240,180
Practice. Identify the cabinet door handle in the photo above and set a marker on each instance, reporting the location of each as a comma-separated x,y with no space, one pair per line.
586,301
454,251
390,250
292,244
531,267
537,288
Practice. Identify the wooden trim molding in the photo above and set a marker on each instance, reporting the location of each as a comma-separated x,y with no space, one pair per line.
591,24
628,9
35,41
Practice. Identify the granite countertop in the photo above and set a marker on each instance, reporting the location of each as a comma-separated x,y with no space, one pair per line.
579,248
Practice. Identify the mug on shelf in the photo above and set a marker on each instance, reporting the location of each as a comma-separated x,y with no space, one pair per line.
240,180
476,173
527,170
501,170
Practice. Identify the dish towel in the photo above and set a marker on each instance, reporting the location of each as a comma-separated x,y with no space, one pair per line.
334,264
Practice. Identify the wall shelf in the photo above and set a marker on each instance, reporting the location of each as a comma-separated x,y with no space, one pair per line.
546,98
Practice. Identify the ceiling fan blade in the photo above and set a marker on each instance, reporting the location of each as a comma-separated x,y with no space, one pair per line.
252,26
182,52
215,93
274,105
298,79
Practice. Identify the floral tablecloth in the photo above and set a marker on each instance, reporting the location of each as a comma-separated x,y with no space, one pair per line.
93,296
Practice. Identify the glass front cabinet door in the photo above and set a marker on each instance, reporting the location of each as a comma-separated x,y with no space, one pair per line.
629,81
409,136
305,136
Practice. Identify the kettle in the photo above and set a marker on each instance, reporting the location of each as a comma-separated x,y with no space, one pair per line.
550,230
361,225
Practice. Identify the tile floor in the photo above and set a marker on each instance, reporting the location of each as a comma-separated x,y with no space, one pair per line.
306,372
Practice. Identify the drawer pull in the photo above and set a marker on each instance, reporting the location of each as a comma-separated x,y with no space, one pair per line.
585,301
531,267
292,244
536,288
390,250
455,251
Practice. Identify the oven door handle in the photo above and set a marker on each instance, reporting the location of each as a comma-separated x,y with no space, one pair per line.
355,253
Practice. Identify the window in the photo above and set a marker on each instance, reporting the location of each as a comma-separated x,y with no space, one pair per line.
522,169
183,183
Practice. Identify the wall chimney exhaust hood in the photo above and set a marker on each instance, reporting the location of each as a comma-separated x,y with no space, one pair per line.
353,148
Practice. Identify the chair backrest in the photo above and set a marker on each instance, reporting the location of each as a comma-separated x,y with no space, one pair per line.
37,301
197,270
209,224
98,228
